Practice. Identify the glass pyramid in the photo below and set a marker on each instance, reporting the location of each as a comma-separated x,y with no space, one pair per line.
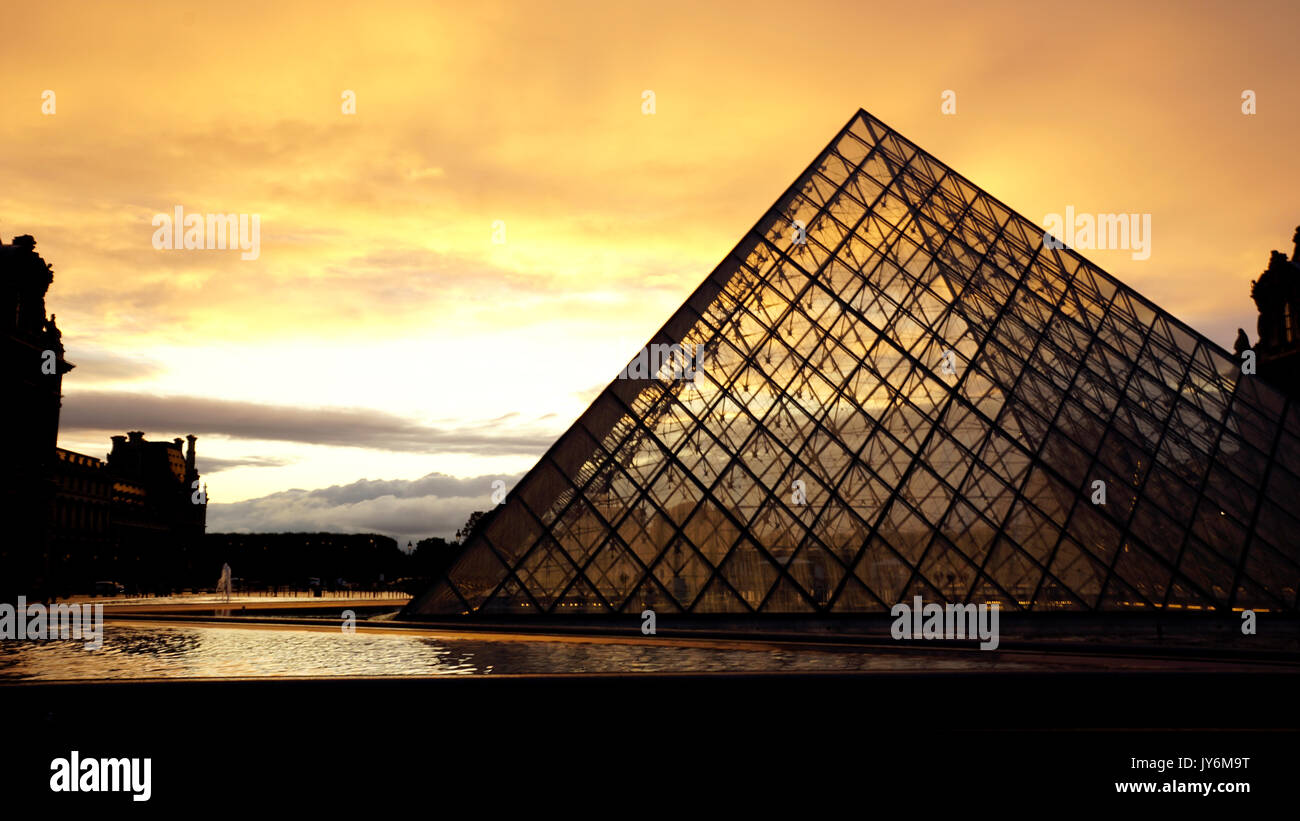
899,389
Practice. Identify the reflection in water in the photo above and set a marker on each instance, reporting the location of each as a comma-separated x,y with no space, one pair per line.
186,651
189,651
158,643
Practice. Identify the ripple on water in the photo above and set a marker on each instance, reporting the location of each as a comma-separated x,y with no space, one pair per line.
189,651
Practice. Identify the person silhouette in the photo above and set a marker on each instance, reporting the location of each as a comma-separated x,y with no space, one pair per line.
1242,343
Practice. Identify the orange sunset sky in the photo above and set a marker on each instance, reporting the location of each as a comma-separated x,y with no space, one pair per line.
383,360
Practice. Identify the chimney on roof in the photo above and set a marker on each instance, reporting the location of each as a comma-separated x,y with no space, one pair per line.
189,456
136,436
1295,255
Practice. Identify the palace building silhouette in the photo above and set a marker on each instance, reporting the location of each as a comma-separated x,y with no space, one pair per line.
905,391
73,519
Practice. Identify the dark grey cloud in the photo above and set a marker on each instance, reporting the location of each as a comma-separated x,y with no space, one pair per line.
210,464
98,365
407,510
117,411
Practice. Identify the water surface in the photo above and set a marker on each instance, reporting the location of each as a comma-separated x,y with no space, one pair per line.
188,650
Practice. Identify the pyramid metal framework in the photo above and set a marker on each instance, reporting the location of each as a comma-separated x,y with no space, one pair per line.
916,399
